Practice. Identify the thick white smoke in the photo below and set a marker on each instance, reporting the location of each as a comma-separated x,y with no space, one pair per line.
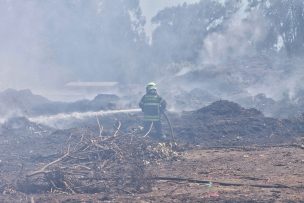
235,50
46,44
241,33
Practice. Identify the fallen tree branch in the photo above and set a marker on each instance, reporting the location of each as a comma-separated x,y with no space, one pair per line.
42,170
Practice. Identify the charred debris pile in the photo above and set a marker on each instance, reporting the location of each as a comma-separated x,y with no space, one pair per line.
39,159
227,123
88,162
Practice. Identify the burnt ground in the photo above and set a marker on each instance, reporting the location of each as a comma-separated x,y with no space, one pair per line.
223,153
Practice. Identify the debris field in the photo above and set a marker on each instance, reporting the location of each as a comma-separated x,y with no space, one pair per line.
221,153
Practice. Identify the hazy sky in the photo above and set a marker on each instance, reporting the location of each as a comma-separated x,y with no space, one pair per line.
39,40
151,7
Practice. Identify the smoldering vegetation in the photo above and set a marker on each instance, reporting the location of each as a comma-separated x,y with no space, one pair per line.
229,70
110,155
245,51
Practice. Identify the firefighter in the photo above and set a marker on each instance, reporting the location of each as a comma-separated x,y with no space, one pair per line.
152,106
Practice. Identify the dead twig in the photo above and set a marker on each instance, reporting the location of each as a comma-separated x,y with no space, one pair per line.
69,187
81,141
104,163
81,166
100,126
100,146
117,129
43,169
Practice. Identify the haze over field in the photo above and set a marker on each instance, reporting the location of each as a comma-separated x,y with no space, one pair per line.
239,50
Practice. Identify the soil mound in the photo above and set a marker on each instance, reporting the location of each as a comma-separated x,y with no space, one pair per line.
227,123
227,109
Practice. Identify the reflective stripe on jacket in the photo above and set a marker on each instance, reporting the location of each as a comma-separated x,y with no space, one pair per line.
152,106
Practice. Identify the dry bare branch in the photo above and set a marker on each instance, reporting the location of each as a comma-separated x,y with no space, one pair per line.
69,187
117,129
43,169
99,126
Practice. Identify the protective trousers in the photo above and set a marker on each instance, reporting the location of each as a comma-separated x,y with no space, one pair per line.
157,125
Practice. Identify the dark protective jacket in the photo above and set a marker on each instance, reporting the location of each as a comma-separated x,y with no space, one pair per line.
152,105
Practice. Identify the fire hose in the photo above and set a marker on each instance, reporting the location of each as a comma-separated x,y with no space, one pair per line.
171,129
170,126
150,128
